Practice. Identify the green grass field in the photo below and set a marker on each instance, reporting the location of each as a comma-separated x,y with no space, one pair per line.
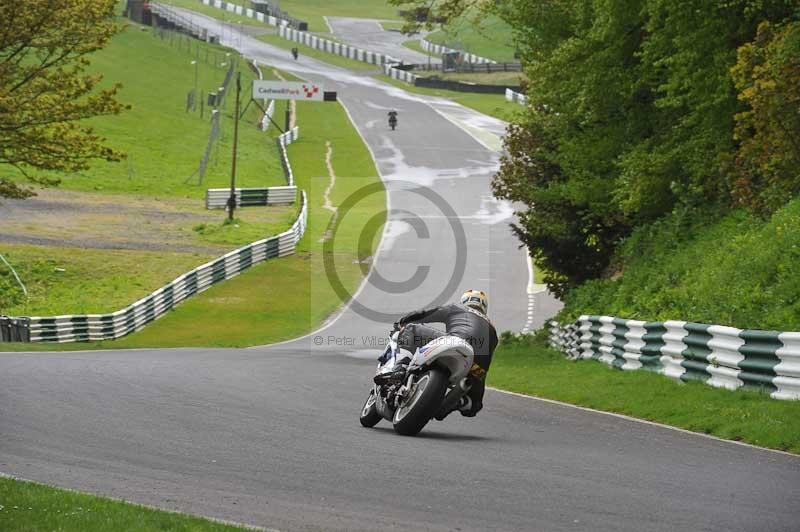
34,507
489,104
528,366
492,38
164,142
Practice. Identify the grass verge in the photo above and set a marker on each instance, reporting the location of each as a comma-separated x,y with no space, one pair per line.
78,281
392,25
738,270
31,506
489,104
528,366
414,44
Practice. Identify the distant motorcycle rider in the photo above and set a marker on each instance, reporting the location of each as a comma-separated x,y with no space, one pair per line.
466,320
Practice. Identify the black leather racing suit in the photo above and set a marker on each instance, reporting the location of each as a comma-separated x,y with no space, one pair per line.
463,322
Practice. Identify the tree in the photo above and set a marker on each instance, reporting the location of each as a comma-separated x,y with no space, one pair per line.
631,113
46,94
766,165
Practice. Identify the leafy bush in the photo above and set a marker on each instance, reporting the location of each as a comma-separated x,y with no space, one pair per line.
736,270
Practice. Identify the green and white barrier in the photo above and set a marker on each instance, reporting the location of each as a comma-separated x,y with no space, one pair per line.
719,356
400,75
95,327
217,198
512,96
438,49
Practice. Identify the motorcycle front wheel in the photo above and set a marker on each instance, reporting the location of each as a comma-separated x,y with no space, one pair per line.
369,413
422,402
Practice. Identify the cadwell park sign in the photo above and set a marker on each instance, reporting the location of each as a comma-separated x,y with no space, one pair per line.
287,90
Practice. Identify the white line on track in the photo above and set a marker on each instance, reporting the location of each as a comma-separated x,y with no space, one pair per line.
643,421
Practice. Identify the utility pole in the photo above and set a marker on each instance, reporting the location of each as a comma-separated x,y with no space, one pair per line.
232,198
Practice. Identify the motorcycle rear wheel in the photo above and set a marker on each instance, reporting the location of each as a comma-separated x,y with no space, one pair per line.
422,403
369,413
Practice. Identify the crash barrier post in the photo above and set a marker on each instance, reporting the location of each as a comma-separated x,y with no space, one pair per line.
96,327
720,356
14,329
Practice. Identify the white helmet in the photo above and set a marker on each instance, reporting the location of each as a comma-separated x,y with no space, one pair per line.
476,299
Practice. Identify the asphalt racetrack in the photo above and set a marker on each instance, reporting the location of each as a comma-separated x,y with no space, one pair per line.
269,436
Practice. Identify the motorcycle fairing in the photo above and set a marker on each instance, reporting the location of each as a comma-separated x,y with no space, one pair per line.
452,352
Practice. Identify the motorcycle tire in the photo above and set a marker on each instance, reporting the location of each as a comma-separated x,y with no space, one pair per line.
369,413
422,404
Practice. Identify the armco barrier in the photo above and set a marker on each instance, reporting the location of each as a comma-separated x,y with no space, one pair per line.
217,198
14,329
95,327
513,96
283,141
719,356
343,50
401,75
438,49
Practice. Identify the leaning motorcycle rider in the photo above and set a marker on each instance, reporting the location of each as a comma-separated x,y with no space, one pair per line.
466,320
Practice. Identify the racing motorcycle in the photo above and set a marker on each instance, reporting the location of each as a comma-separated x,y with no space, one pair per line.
393,119
432,385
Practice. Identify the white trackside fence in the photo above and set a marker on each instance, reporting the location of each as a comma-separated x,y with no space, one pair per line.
719,356
512,96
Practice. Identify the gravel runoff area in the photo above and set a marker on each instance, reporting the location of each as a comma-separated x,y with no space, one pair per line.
57,217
